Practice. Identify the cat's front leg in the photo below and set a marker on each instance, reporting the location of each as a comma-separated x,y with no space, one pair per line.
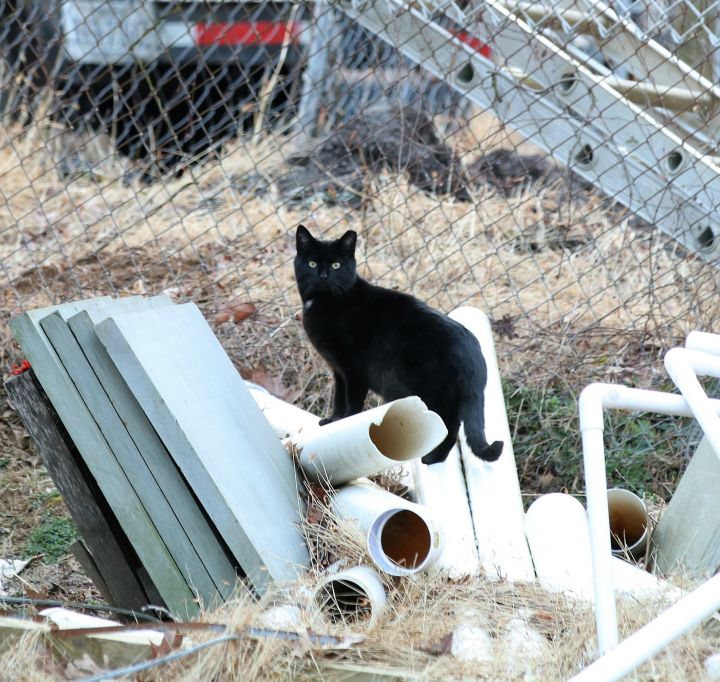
357,391
340,401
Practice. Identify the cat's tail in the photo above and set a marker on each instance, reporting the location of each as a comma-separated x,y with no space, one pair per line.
472,414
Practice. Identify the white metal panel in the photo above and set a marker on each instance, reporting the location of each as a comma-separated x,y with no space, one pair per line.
112,31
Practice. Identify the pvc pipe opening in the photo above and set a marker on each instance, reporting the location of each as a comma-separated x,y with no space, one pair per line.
353,594
401,542
403,432
343,600
371,441
402,536
628,523
405,539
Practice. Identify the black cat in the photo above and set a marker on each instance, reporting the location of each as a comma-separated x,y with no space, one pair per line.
387,341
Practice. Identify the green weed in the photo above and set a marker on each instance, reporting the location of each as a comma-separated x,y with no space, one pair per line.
644,452
51,539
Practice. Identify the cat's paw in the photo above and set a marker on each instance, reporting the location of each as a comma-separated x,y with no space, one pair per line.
492,452
434,458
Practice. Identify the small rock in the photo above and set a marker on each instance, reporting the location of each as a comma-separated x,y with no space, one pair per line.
712,667
282,617
472,643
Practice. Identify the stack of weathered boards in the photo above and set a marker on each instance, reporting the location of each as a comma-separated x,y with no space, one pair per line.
174,498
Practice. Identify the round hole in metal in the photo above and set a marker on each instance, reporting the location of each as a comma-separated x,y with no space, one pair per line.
465,75
706,239
584,156
674,161
567,83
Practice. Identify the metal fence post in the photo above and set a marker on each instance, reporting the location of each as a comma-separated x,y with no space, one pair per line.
318,70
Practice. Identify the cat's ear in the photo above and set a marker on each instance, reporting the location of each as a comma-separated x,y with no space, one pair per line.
303,238
347,242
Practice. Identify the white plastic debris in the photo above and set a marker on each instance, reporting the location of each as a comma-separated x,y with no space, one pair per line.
10,568
67,619
281,617
524,648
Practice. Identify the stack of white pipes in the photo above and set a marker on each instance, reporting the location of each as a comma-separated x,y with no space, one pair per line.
468,515
402,537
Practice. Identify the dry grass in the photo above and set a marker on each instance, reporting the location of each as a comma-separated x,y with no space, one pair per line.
583,292
534,634
565,270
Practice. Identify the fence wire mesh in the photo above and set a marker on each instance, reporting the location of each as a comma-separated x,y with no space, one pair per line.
555,165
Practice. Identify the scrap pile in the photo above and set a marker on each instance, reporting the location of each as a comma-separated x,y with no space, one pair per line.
178,484
189,485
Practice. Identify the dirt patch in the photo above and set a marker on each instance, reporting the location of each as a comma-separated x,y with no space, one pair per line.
402,140
30,502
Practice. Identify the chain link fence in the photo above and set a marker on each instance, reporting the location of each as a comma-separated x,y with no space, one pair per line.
554,164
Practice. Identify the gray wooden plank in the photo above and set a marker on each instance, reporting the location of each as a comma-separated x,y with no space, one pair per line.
106,543
99,457
185,506
83,556
687,537
200,407
148,491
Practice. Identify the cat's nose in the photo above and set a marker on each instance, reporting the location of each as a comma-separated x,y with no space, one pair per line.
323,274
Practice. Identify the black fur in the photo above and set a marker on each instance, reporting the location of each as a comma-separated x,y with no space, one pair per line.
391,343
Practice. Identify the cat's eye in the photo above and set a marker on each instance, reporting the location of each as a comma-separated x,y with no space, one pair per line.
335,265
312,263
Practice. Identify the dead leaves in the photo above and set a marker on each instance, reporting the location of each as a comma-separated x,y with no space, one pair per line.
272,383
234,310
441,647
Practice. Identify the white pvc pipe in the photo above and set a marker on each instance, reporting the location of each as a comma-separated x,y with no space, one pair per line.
493,487
290,422
559,538
441,488
402,537
287,421
628,523
593,400
656,635
370,442
704,342
557,532
636,583
684,366
351,594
